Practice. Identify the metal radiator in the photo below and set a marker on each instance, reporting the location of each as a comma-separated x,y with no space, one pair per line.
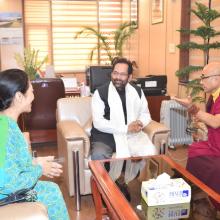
174,116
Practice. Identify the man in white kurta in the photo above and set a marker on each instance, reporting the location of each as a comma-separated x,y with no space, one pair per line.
120,112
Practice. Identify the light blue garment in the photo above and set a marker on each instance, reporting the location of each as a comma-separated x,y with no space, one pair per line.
18,172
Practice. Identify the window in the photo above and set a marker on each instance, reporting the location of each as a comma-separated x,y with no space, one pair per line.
50,26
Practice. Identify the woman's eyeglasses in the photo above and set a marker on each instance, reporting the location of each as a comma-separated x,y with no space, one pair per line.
202,77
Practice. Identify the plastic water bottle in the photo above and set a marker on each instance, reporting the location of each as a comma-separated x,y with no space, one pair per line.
82,89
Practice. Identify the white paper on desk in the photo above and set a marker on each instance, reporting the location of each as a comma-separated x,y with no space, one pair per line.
150,84
69,82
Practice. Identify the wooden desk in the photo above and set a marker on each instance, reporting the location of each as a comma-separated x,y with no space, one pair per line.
38,136
154,104
117,207
72,92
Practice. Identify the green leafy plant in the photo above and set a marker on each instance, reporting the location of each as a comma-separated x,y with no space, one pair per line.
30,62
206,32
120,36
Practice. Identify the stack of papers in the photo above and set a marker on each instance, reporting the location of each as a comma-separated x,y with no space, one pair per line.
69,83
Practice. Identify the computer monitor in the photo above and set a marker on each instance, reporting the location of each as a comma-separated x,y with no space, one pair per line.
97,76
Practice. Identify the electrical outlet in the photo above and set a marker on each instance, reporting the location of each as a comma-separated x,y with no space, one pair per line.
172,48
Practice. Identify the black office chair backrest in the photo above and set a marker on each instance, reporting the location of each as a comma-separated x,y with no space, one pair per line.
98,75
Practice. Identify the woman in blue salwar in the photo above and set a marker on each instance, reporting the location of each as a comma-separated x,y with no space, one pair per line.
18,170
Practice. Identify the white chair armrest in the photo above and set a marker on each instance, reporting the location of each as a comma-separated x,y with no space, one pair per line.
158,133
71,130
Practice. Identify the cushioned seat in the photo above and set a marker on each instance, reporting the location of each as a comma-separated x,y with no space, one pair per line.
74,121
24,211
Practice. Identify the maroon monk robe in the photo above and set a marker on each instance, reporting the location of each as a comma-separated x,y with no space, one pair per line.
211,147
204,156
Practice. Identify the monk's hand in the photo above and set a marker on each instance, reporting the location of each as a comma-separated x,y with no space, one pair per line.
135,126
193,110
187,102
49,167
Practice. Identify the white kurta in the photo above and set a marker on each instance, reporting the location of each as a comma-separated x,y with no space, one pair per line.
136,144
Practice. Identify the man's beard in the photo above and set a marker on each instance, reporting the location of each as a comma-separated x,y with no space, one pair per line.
119,84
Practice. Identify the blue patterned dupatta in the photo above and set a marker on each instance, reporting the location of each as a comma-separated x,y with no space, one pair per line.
3,142
22,194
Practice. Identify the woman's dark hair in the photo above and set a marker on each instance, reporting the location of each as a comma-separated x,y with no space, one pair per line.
117,60
11,81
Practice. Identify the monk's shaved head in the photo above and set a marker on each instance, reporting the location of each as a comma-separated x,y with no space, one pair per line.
212,69
210,78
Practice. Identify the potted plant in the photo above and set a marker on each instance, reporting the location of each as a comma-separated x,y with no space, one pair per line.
207,32
30,62
120,36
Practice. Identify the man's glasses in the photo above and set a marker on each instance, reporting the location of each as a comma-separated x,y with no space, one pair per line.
202,77
115,73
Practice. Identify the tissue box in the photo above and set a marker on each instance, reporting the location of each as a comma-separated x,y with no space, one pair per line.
166,212
173,192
